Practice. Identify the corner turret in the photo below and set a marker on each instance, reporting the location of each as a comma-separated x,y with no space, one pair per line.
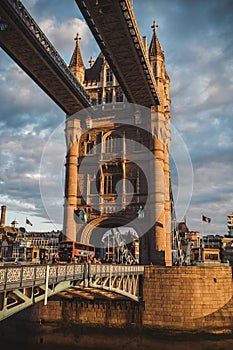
76,63
156,54
157,61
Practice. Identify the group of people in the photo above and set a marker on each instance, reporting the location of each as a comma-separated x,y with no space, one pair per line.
87,259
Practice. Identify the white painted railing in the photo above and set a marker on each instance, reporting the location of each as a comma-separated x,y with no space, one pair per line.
15,277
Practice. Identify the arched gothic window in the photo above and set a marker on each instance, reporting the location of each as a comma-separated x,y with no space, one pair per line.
109,76
119,96
113,144
108,97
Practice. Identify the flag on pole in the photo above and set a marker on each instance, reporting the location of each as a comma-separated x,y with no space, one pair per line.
204,218
28,222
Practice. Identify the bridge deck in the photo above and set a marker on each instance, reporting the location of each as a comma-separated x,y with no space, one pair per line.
115,29
28,46
22,286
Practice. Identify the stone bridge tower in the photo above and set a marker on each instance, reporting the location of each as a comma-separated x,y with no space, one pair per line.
111,188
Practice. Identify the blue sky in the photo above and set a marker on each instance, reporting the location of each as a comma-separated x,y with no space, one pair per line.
197,40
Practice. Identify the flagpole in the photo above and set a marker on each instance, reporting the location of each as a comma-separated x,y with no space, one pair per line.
201,233
202,224
24,241
206,219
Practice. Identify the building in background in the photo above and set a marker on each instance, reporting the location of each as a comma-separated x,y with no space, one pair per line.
227,241
45,242
8,234
16,242
230,224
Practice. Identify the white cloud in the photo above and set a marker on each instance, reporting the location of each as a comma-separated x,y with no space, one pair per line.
62,35
29,3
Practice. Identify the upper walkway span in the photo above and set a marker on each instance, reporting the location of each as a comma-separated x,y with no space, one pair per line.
115,29
23,40
22,286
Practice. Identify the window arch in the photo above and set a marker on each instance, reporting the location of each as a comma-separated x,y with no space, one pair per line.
138,141
112,174
119,96
108,96
109,76
113,144
99,99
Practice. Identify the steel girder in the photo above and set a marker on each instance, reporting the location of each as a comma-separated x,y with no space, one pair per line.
116,31
23,286
23,40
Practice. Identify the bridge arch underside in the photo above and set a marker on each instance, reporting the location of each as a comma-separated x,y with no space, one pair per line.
95,230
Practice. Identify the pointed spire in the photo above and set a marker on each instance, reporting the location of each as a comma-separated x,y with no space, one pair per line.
76,63
155,26
77,38
155,47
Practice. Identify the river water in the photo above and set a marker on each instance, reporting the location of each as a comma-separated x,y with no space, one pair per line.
63,337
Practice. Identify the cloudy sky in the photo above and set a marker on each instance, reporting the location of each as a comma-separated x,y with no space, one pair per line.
197,39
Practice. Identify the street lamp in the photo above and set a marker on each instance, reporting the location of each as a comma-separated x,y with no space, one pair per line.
81,214
140,212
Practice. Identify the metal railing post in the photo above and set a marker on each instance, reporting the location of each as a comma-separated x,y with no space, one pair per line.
46,285
86,275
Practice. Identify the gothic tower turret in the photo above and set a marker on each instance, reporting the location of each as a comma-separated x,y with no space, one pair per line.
160,119
76,63
157,60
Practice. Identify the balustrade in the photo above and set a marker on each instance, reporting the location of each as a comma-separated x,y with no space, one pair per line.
34,275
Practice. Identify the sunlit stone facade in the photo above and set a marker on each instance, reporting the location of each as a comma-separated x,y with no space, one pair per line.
102,140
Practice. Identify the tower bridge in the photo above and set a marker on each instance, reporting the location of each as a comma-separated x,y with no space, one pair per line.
127,70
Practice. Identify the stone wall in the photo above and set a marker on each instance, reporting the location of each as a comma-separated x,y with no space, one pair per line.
102,313
188,297
178,298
